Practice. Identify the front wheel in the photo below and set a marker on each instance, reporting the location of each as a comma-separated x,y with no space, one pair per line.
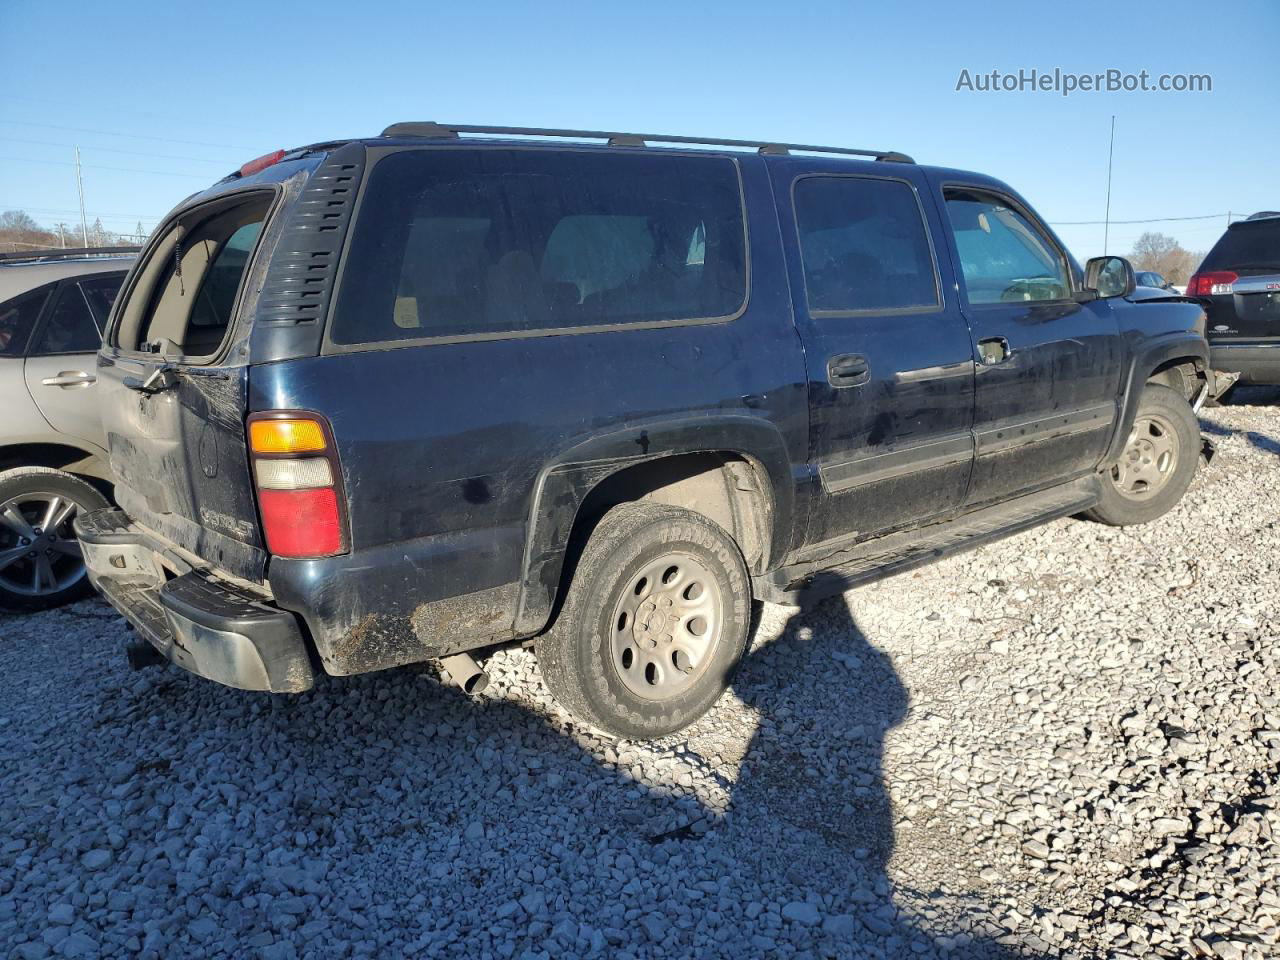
1158,462
654,622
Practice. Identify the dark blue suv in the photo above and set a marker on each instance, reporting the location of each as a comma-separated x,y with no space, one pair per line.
394,399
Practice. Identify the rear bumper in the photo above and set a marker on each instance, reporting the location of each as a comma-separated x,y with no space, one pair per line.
1255,362
205,625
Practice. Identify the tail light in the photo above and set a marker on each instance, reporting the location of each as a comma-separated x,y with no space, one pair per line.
295,471
1211,283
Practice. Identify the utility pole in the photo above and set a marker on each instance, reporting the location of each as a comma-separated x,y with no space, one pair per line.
1106,229
84,226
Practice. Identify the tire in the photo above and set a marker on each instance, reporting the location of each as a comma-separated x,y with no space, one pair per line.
1158,462
26,496
619,655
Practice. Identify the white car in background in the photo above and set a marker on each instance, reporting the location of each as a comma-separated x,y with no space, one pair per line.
53,459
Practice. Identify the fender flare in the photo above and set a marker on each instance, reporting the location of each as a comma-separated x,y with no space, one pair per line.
1152,353
565,481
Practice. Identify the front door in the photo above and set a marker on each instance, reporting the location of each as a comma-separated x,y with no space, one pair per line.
1048,374
889,358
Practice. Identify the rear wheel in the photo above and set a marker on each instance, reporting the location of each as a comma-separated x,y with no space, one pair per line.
40,561
653,625
1157,464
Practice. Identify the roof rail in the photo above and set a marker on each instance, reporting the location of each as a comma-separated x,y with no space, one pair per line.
70,253
451,131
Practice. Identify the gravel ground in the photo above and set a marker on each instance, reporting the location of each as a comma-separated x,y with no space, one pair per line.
1065,744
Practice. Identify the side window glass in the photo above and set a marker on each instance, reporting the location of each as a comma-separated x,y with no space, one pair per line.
17,316
100,294
1004,258
71,327
865,246
457,243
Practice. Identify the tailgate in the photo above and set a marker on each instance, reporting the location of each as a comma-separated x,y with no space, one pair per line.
179,458
1257,307
172,383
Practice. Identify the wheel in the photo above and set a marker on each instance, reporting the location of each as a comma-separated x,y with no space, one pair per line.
1157,464
653,625
40,561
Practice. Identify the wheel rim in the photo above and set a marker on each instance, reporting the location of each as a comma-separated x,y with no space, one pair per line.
666,626
39,554
1150,458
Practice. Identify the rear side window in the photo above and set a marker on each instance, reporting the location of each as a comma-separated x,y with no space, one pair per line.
1004,256
17,317
1247,246
458,243
865,246
76,321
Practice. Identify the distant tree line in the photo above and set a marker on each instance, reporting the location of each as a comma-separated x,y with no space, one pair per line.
20,233
1163,254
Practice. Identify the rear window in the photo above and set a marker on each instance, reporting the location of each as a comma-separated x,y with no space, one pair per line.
1249,245
458,243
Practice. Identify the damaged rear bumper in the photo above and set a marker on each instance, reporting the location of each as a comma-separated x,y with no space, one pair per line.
203,624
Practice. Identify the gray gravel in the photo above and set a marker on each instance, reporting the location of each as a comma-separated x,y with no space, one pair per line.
1065,744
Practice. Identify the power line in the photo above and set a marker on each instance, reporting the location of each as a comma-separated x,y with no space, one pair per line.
130,136
132,153
50,211
95,166
1099,223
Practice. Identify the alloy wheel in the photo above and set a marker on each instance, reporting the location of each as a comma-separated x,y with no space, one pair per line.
39,554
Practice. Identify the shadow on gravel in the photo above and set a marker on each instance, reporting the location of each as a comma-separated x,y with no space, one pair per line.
826,813
388,816
1260,440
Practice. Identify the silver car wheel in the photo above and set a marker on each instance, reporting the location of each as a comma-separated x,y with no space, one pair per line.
39,554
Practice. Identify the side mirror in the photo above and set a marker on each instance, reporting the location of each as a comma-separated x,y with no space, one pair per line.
1110,277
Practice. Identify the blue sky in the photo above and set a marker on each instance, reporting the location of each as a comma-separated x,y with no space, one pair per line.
164,98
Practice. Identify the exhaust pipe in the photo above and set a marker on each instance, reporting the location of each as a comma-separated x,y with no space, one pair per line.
142,655
462,669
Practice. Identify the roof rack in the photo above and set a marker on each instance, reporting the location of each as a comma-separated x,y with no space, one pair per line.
70,253
451,131
1262,215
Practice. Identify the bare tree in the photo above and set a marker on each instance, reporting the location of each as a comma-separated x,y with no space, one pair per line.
18,220
1163,254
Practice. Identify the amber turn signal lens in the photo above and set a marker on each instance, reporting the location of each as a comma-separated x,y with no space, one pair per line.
285,436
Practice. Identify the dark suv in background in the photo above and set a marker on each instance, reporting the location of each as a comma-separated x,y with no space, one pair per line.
1239,285
391,399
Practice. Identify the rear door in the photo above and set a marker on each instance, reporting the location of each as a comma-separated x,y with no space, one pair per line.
60,361
890,363
172,383
1048,374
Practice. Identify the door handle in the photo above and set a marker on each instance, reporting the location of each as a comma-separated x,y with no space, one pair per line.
994,350
70,378
848,370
